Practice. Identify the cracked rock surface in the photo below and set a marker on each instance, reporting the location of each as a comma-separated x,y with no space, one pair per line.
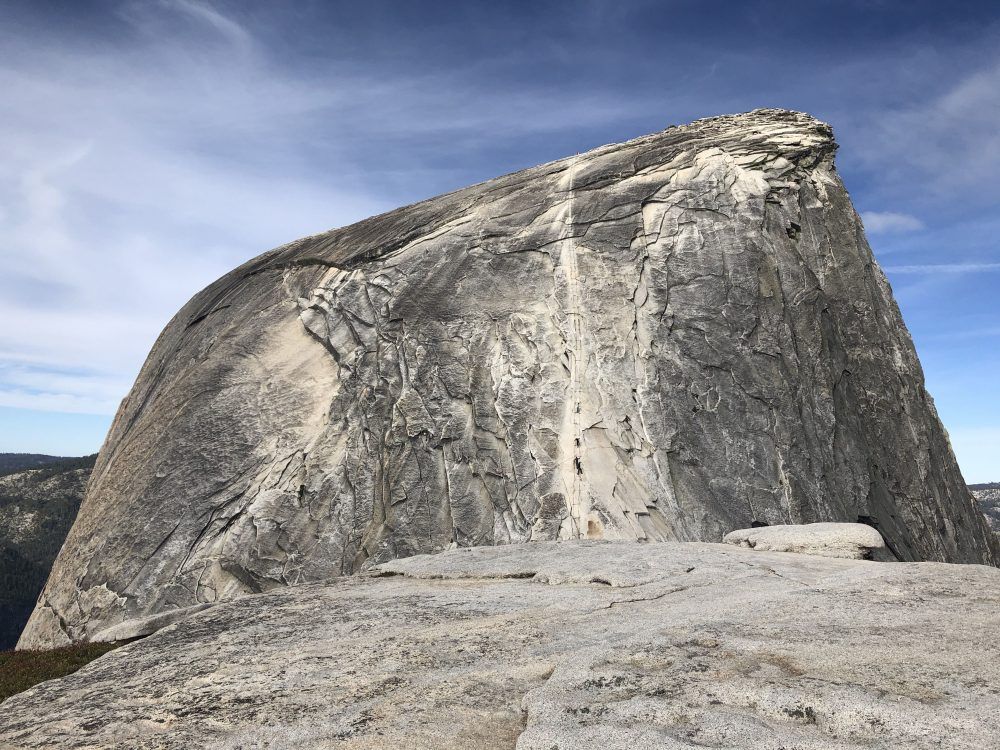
664,339
576,644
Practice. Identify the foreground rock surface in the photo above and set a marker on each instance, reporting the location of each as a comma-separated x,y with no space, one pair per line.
854,541
664,339
572,645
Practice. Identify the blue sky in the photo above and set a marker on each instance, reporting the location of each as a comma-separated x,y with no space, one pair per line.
151,146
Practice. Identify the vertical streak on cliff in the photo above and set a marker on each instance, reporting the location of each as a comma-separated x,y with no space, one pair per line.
516,305
571,438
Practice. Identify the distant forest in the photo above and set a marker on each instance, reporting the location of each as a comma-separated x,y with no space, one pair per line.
39,499
51,465
11,462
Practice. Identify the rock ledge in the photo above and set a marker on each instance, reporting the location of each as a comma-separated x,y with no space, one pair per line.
854,541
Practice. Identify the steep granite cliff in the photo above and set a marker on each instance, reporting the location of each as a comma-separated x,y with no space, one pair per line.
664,339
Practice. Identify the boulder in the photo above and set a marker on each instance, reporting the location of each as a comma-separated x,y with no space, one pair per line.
854,541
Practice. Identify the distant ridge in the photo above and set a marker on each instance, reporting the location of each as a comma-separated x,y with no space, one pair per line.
11,462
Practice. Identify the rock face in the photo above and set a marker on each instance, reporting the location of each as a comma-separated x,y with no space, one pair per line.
664,339
37,508
600,645
988,497
854,541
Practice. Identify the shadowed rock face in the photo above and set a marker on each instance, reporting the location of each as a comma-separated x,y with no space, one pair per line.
665,339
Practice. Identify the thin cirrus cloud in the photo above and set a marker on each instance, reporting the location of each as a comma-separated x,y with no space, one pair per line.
939,150
886,222
87,297
943,268
196,151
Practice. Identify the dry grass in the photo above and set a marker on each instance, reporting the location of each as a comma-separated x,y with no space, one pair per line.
20,670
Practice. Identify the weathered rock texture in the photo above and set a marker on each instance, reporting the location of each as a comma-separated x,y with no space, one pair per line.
585,645
855,541
667,339
988,497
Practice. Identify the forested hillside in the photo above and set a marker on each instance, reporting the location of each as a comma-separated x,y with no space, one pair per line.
37,508
19,461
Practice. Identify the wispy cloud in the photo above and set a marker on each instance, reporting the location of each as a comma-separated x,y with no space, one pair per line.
888,222
115,212
140,169
944,268
936,146
224,25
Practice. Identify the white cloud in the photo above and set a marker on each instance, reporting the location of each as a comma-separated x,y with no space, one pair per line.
227,27
887,222
138,171
941,143
115,214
